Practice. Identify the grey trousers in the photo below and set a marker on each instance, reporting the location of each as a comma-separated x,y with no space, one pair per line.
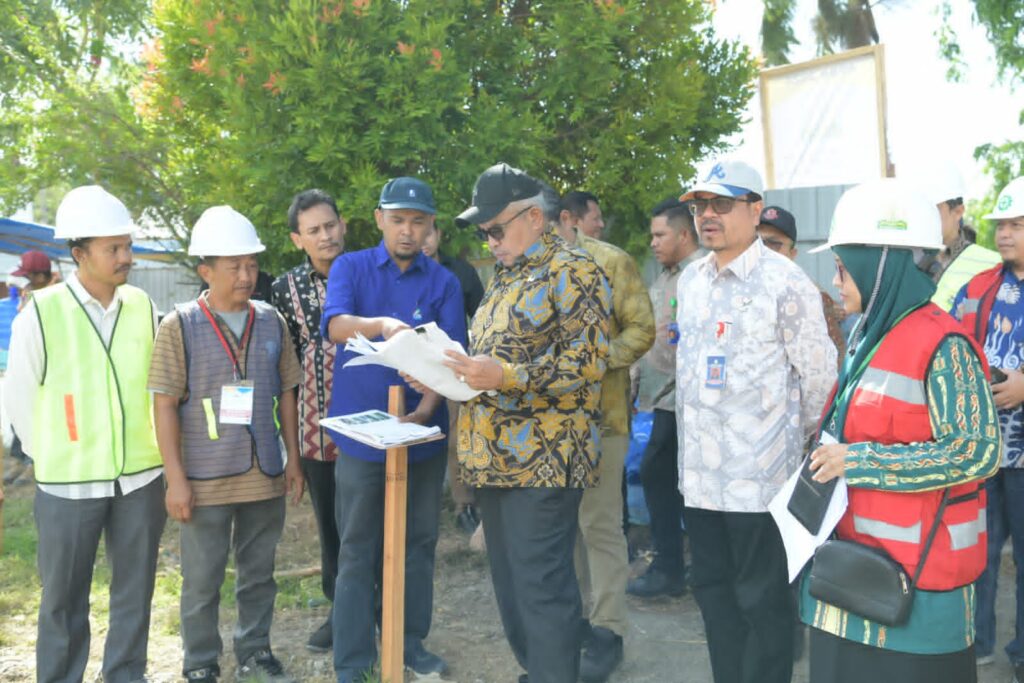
252,530
69,535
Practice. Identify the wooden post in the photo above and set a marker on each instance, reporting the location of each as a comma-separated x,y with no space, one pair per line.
392,664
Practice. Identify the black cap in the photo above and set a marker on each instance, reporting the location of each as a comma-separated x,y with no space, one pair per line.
407,193
777,217
496,188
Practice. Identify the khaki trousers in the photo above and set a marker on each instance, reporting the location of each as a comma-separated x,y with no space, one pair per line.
602,559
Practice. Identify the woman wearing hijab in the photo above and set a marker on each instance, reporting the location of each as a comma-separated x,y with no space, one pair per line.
917,433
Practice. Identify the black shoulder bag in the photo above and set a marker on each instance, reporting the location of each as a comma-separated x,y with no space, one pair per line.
865,580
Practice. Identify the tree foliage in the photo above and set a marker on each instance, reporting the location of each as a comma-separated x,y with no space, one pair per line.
246,102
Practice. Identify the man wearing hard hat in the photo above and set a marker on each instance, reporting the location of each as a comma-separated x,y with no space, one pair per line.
991,308
960,259
76,394
224,372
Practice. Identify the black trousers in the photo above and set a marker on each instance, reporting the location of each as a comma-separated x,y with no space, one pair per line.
659,475
319,477
531,533
359,505
739,579
837,660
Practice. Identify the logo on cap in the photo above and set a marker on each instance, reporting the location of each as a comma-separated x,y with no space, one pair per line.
412,192
716,172
771,214
1004,202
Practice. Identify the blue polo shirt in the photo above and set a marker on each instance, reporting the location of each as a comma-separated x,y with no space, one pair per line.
369,284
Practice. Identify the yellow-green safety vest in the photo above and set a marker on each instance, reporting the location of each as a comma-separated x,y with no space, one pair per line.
969,263
93,418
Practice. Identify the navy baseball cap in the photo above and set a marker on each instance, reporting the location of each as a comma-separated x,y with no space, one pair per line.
408,193
777,217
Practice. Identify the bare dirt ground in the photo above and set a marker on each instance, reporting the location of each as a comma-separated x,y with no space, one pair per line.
666,641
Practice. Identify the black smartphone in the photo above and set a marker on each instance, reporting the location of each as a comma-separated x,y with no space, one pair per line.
998,376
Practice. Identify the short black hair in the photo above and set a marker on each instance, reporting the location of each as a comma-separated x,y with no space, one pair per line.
955,202
207,260
78,243
577,202
307,199
666,204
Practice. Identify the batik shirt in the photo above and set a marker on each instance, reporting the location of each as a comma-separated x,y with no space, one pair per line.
545,318
1004,348
754,367
299,295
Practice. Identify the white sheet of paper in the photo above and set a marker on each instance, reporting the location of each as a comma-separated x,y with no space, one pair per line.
418,353
799,542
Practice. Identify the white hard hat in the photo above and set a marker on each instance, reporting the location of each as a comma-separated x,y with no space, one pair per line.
940,181
222,231
885,212
1010,203
91,211
728,178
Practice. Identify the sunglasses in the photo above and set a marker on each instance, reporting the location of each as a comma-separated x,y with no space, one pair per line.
720,205
497,231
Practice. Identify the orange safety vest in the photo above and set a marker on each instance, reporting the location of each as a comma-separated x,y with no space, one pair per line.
890,406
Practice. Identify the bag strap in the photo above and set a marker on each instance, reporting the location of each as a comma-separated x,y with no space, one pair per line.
931,537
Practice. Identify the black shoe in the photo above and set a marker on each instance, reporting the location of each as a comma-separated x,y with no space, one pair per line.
468,519
264,667
322,638
656,582
524,678
422,662
602,654
204,674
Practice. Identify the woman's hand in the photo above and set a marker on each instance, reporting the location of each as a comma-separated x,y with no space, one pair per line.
829,462
481,373
417,386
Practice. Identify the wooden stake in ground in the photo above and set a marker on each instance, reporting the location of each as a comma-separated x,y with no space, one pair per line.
395,492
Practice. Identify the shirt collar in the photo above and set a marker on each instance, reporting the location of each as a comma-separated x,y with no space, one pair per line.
382,258
83,295
741,266
308,269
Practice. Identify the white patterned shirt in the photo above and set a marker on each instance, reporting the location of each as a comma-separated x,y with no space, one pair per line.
754,367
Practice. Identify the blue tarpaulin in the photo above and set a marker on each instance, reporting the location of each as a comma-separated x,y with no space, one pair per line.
17,237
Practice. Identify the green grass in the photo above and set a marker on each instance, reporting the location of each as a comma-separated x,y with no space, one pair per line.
19,586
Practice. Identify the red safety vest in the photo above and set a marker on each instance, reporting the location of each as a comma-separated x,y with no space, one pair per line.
889,406
975,308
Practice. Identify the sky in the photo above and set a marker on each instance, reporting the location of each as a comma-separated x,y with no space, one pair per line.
928,117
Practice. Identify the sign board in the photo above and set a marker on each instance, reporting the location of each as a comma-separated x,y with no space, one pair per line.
824,120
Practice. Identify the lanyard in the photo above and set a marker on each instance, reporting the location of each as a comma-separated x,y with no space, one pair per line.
236,368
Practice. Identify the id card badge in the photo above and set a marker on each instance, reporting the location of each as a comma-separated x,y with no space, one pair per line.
714,377
236,403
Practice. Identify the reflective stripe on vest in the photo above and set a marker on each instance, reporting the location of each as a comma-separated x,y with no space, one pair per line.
893,385
965,534
968,306
886,531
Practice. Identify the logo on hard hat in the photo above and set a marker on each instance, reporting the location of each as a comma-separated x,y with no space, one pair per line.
716,172
1004,202
892,224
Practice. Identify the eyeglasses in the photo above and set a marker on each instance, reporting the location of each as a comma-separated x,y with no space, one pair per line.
774,245
840,272
720,205
497,231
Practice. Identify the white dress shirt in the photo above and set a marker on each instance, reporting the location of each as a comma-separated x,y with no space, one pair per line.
739,439
25,363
